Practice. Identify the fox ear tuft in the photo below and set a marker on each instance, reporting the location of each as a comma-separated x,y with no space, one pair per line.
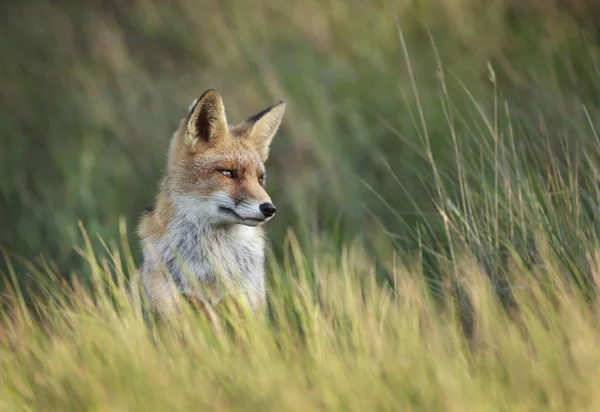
263,126
206,119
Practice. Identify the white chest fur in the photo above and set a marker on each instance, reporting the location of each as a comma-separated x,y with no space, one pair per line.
229,256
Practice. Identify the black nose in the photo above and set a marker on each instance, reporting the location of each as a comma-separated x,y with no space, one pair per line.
267,209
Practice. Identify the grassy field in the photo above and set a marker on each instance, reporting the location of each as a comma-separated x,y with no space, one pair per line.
334,339
436,177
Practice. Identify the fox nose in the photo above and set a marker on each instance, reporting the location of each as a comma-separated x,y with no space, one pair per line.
268,209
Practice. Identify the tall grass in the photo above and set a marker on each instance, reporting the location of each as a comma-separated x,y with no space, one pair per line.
333,339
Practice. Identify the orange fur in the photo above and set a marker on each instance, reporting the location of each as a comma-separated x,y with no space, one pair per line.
213,185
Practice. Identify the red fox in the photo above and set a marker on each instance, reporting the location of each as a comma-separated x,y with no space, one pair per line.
203,238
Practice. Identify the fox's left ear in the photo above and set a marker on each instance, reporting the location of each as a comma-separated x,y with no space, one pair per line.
206,121
262,127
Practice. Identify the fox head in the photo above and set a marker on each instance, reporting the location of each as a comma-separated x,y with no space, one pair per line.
216,171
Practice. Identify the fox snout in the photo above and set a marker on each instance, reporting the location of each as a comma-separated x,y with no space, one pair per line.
244,212
268,209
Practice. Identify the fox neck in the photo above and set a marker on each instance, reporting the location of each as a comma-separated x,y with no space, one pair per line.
191,242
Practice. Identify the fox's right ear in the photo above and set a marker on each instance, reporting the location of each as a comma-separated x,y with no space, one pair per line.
206,120
261,128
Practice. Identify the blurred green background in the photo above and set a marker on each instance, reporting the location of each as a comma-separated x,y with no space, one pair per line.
377,93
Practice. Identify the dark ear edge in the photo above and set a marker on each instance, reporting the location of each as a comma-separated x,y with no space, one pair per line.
253,119
197,100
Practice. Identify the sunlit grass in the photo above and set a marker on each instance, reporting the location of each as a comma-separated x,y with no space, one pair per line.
334,338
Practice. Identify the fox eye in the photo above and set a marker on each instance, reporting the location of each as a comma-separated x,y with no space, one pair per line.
261,180
228,173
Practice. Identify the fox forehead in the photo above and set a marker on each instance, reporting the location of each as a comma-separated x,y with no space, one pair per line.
242,159
199,172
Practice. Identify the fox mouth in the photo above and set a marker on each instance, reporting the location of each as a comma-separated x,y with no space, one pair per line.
232,212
